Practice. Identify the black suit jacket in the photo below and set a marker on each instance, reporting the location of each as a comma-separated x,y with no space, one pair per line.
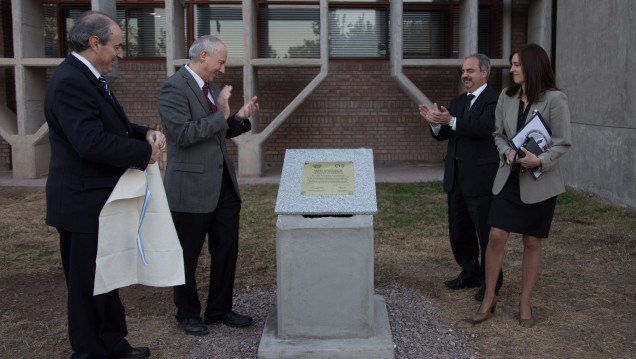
92,144
471,145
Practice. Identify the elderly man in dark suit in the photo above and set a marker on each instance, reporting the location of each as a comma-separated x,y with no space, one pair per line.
92,144
200,181
469,169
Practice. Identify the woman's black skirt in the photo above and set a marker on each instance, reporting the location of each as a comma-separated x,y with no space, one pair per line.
509,213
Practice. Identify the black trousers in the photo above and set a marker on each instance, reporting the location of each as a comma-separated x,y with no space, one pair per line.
96,324
469,231
222,229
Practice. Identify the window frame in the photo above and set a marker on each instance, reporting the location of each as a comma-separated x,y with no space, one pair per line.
63,7
450,6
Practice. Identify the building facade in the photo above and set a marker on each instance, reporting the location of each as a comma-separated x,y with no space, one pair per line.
359,88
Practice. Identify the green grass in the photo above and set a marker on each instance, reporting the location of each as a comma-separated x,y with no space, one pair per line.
585,298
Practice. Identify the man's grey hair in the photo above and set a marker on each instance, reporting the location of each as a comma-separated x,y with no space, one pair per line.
208,43
90,23
484,62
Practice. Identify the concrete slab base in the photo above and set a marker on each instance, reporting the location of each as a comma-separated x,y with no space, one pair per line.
379,346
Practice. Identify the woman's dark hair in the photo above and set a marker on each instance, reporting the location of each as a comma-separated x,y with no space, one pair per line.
537,73
90,23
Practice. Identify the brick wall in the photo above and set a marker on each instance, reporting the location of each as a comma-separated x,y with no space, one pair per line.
136,87
357,105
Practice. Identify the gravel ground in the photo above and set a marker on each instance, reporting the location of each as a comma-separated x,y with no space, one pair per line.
416,331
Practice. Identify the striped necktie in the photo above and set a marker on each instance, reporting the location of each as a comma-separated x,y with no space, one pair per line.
105,84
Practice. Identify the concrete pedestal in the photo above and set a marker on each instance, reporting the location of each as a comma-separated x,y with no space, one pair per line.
378,346
326,306
325,276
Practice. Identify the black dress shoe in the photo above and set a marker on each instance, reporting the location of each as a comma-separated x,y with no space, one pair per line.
231,319
136,353
193,326
479,296
459,283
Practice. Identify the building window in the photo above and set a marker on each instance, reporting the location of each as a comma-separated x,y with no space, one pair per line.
222,21
143,28
433,32
289,31
485,32
358,33
293,31
358,29
425,34
51,39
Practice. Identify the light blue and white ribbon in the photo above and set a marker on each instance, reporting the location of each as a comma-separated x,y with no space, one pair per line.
144,208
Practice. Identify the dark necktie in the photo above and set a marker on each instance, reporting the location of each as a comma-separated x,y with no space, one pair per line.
207,98
469,98
105,84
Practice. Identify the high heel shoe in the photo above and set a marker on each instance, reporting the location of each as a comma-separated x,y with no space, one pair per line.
526,323
482,317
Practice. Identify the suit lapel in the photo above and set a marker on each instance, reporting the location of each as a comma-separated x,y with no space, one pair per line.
540,106
194,87
118,106
91,77
511,113
474,106
113,102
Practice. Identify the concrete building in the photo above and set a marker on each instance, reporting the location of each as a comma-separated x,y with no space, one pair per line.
358,89
595,55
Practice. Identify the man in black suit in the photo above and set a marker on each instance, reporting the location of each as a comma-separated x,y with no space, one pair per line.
469,169
200,181
92,144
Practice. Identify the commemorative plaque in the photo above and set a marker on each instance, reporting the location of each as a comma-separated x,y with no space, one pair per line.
327,178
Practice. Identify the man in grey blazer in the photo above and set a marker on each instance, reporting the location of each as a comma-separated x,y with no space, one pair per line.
200,181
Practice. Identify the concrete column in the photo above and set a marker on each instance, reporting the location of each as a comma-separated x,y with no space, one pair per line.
34,154
396,65
106,6
175,35
29,147
250,145
506,37
251,162
540,24
468,21
251,159
468,30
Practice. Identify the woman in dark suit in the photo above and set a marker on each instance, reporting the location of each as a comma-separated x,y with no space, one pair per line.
521,203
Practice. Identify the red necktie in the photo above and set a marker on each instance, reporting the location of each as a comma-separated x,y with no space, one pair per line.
207,98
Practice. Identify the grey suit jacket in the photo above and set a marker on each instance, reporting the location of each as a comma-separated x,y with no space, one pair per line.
553,106
196,144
